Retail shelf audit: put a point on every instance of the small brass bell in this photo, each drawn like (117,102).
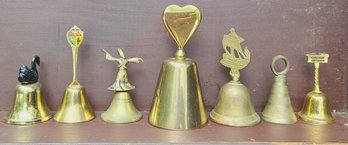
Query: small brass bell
(122,109)
(29,106)
(75,106)
(234,107)
(279,109)
(315,107)
(178,101)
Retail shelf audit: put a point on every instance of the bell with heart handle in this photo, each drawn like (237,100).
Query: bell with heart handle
(75,106)
(315,108)
(29,105)
(178,102)
(278,109)
(234,106)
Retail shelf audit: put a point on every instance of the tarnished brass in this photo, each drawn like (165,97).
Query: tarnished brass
(234,106)
(178,102)
(74,107)
(315,108)
(29,106)
(279,109)
(122,109)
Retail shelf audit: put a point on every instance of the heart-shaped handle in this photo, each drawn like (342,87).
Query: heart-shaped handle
(181,23)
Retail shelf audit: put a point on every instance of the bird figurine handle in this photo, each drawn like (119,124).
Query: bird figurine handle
(75,38)
(181,23)
(234,56)
(28,75)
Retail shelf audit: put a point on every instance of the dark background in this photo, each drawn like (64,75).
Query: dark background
(270,27)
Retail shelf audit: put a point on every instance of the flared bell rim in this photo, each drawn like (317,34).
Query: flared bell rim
(230,122)
(138,118)
(316,121)
(73,122)
(283,121)
(43,119)
(179,129)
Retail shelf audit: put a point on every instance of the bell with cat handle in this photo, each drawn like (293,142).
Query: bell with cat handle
(234,106)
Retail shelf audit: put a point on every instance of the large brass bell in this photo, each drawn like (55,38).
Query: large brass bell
(122,109)
(279,109)
(315,108)
(75,106)
(178,102)
(29,106)
(234,106)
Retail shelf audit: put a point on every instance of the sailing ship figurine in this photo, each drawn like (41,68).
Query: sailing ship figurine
(122,109)
(75,106)
(315,108)
(178,102)
(234,106)
(29,105)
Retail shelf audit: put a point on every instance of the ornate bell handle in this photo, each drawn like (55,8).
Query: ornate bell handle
(287,64)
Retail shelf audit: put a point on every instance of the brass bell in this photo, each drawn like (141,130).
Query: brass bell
(75,106)
(178,102)
(29,106)
(122,109)
(315,107)
(279,109)
(234,106)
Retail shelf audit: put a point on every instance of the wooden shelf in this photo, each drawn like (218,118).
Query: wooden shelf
(97,131)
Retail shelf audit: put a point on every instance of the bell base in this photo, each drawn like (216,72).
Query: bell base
(234,106)
(277,120)
(178,101)
(29,107)
(14,122)
(244,121)
(75,107)
(121,110)
(315,109)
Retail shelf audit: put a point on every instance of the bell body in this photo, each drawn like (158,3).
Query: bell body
(234,107)
(121,110)
(74,107)
(315,109)
(178,102)
(28,106)
(279,109)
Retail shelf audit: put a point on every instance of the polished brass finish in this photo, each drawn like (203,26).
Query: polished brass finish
(234,107)
(279,109)
(122,109)
(29,106)
(315,107)
(178,102)
(74,107)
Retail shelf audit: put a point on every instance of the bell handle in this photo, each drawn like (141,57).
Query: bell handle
(287,64)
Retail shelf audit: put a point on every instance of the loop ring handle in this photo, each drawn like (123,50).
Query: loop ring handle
(287,64)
